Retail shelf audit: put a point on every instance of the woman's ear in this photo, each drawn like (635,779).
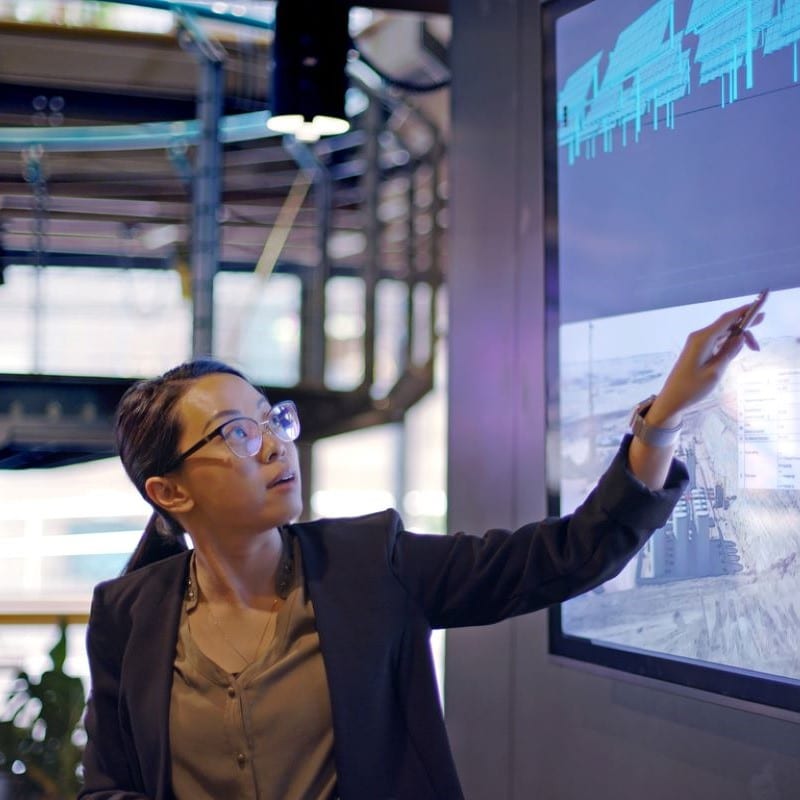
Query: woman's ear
(168,494)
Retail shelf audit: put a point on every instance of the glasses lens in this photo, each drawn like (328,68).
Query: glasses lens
(243,436)
(284,421)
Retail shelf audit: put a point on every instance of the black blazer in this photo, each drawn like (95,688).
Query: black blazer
(377,592)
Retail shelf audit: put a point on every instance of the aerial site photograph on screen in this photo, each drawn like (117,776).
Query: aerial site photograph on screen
(675,195)
(721,581)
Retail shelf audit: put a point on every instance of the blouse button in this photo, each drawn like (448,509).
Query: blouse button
(241,759)
(231,691)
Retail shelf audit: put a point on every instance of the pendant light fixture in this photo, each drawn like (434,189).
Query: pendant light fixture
(309,54)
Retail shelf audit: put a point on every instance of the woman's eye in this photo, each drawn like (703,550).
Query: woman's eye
(236,432)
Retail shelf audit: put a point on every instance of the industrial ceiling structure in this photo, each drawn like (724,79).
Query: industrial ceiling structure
(107,141)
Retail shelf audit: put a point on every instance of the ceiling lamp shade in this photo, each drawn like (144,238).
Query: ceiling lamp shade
(309,55)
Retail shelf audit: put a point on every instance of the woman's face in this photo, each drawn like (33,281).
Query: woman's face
(254,493)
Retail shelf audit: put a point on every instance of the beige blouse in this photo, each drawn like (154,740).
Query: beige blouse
(265,733)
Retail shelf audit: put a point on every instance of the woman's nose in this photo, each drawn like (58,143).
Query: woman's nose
(271,446)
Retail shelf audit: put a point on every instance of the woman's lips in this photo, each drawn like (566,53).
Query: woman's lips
(284,479)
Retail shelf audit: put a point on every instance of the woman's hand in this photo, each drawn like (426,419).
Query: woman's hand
(699,368)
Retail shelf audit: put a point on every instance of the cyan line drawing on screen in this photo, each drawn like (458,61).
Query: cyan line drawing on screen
(650,67)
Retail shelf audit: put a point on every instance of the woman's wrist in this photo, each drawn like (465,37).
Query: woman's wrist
(654,426)
(662,417)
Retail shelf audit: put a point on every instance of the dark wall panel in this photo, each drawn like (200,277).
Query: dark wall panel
(522,726)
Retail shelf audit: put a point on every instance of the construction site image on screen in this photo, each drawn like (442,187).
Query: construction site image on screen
(721,581)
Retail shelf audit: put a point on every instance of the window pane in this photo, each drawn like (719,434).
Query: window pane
(344,331)
(257,325)
(356,473)
(61,531)
(391,334)
(86,321)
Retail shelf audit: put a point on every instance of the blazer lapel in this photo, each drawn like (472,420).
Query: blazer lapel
(147,670)
(354,655)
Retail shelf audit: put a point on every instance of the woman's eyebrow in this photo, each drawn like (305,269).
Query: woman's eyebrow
(226,412)
(234,412)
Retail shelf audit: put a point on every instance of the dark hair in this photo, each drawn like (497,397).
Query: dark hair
(147,429)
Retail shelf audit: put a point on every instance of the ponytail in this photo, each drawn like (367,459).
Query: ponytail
(162,537)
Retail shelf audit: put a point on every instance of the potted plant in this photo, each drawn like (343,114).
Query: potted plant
(41,738)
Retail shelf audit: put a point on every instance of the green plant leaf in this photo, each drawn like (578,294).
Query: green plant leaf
(58,655)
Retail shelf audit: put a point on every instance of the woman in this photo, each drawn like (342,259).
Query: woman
(284,660)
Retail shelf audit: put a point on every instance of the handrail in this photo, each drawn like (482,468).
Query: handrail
(142,136)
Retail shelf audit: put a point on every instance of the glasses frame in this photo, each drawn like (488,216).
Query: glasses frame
(268,424)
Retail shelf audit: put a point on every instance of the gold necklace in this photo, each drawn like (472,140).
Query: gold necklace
(191,595)
(246,661)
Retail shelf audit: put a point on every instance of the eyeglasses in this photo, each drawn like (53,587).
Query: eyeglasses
(244,435)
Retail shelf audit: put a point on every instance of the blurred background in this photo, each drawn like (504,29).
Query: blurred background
(148,214)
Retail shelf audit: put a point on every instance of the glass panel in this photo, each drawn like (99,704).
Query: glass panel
(423,298)
(356,473)
(62,531)
(257,325)
(425,498)
(114,322)
(344,331)
(16,320)
(390,335)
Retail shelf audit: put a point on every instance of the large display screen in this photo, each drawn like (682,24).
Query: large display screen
(673,194)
